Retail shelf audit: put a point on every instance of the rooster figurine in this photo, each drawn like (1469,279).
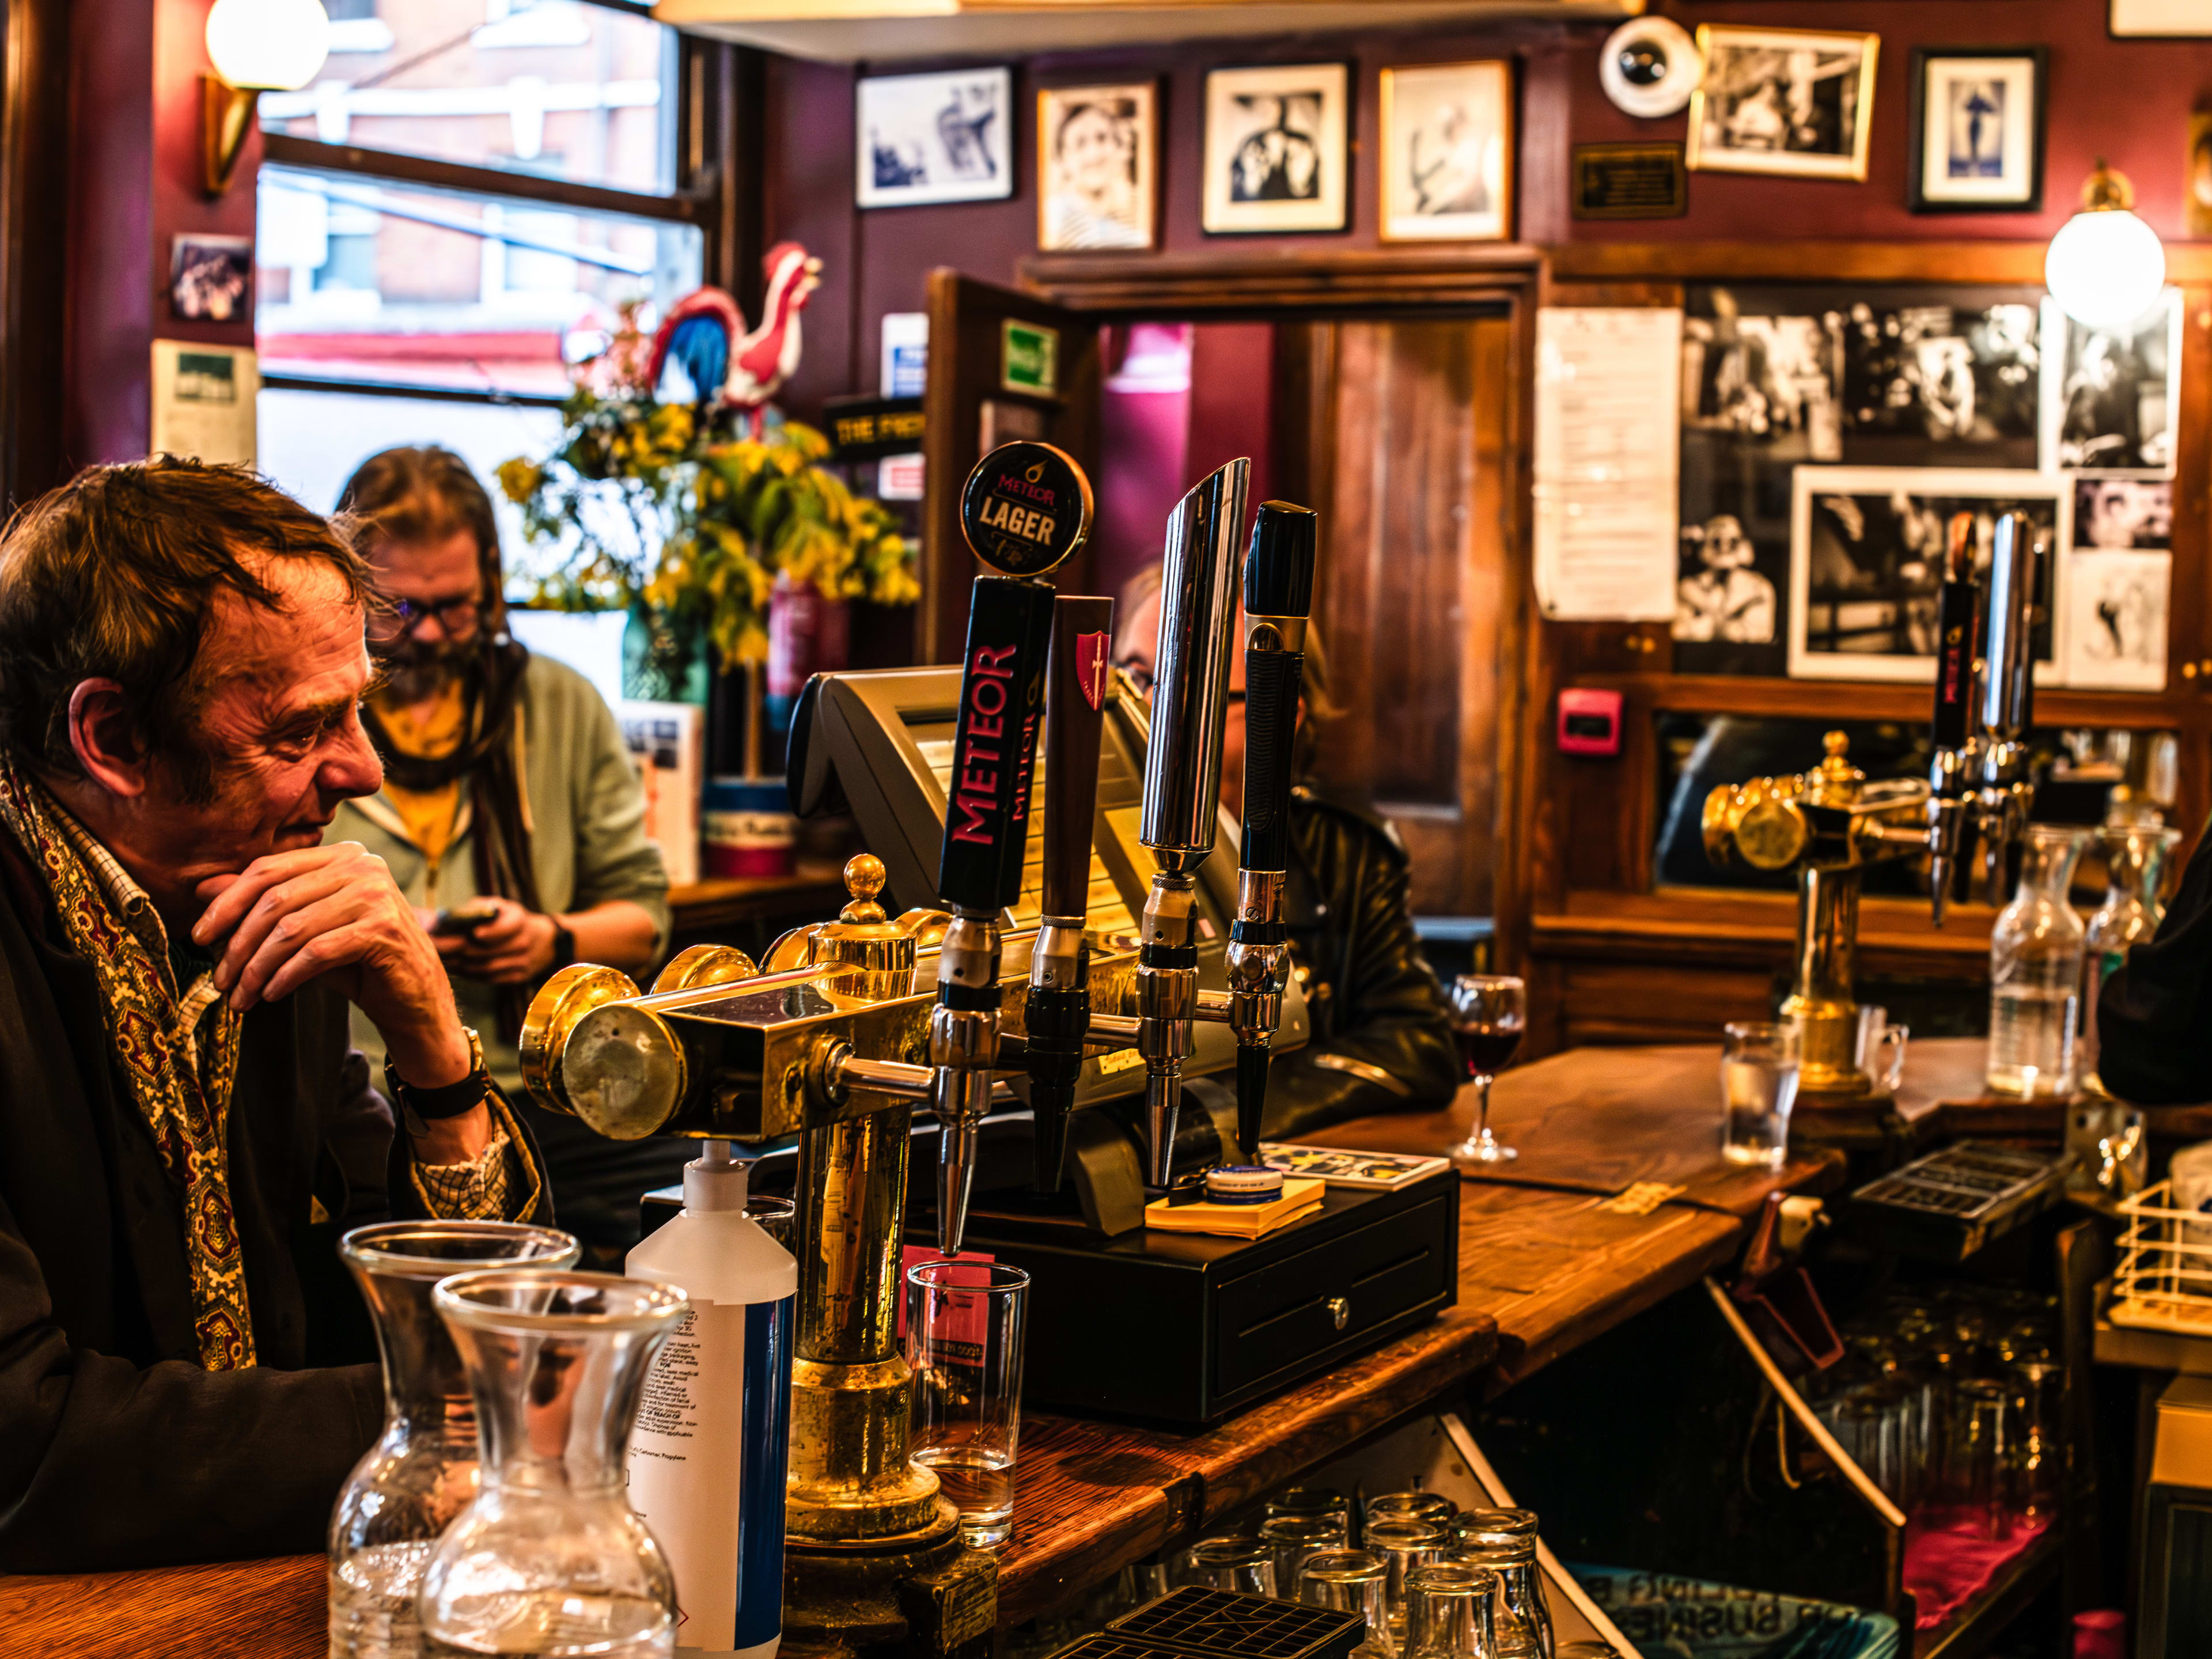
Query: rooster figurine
(729,368)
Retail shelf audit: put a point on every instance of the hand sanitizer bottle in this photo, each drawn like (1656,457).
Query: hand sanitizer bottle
(708,1457)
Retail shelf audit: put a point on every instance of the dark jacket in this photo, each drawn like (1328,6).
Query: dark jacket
(116,1449)
(1381,1037)
(2154,1013)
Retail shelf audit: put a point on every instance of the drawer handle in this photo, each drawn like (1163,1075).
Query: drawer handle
(1340,1311)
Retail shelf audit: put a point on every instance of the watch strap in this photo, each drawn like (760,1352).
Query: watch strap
(451,1100)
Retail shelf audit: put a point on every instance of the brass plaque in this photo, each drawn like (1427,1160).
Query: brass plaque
(1629,181)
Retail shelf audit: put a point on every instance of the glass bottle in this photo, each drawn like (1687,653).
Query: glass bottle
(550,1559)
(2035,971)
(422,1471)
(2134,857)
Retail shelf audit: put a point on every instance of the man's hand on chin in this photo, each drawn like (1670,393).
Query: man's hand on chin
(335,911)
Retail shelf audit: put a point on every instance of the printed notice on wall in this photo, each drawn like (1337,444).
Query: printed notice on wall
(203,401)
(1607,459)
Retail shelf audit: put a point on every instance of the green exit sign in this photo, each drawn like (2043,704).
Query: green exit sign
(1029,358)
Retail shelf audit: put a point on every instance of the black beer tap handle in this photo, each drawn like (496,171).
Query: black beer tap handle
(1954,638)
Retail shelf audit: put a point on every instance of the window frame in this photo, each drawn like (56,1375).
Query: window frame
(717,98)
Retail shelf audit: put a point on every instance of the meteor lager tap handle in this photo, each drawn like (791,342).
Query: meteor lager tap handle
(1057,1012)
(1954,638)
(1278,576)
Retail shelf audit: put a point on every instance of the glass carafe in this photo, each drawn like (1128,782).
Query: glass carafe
(550,1559)
(2134,857)
(2035,971)
(422,1471)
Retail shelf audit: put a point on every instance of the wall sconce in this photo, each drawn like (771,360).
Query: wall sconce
(255,46)
(2105,266)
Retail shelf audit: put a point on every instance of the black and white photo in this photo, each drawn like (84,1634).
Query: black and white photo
(939,138)
(1866,557)
(210,278)
(1946,385)
(1098,167)
(2110,395)
(1731,587)
(1977,130)
(2113,514)
(1275,153)
(1447,152)
(2117,631)
(1796,101)
(1772,382)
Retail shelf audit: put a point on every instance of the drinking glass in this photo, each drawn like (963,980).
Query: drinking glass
(1352,1581)
(966,1323)
(1883,1073)
(2037,1390)
(1295,1537)
(1978,1455)
(1243,1565)
(1403,1544)
(1450,1608)
(1413,1505)
(772,1216)
(1314,1503)
(1522,1618)
(1488,1013)
(422,1470)
(1758,1085)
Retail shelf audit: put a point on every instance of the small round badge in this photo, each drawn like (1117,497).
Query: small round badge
(1026,507)
(1244,1183)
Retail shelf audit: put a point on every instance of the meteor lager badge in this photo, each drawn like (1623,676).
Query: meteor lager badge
(1026,507)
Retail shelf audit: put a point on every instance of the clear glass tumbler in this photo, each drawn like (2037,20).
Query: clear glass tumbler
(1242,1565)
(966,1324)
(1353,1581)
(1295,1537)
(422,1471)
(550,1559)
(1758,1085)
(1977,1457)
(1451,1607)
(1524,1623)
(1414,1505)
(1403,1544)
(1314,1503)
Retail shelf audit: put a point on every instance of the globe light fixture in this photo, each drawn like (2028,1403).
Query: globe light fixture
(2105,266)
(255,46)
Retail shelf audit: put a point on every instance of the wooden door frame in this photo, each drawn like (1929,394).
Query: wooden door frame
(1494,279)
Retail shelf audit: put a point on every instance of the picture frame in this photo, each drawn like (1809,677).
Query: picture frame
(210,278)
(2110,399)
(2197,178)
(2156,20)
(1097,161)
(1277,150)
(1447,152)
(946,136)
(1976,129)
(1758,111)
(1865,551)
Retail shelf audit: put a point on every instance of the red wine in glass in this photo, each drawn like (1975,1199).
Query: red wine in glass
(1486,1048)
(1489,1011)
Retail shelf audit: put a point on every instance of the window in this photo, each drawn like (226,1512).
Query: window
(453,215)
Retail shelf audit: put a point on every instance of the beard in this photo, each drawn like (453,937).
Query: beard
(414,672)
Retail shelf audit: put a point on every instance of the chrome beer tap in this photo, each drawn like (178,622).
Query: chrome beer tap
(1950,776)
(1183,787)
(1278,576)
(2006,796)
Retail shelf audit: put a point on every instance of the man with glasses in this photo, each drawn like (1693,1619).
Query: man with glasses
(510,815)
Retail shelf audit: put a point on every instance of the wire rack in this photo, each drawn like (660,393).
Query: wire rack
(2165,1277)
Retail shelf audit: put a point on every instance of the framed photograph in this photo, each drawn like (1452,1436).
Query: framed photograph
(210,278)
(1866,558)
(2122,515)
(1447,152)
(1729,592)
(2157,19)
(1794,101)
(2110,397)
(1939,378)
(1276,143)
(1098,168)
(1977,130)
(945,136)
(2117,628)
(1772,382)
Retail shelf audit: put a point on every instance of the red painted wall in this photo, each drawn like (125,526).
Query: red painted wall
(2127,100)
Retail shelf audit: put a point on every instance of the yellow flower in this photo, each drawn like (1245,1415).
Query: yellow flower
(519,478)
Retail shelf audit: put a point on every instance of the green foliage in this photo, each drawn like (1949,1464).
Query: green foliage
(644,508)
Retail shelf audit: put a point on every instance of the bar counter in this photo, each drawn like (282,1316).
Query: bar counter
(1547,1263)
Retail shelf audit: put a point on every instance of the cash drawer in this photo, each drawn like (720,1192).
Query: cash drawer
(1329,1299)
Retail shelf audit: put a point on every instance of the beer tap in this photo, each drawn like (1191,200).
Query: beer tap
(1278,598)
(2007,793)
(1057,1015)
(1026,508)
(1182,785)
(1950,783)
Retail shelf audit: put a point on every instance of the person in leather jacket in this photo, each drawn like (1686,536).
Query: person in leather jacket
(1382,1034)
(2154,1010)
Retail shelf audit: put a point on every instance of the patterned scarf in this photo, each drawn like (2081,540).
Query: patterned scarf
(179,1053)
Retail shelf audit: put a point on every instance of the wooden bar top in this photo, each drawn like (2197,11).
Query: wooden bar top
(1545,1265)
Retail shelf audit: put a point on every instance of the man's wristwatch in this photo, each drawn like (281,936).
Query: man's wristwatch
(564,946)
(431,1105)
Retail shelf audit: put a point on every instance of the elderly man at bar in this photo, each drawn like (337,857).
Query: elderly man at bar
(184,1130)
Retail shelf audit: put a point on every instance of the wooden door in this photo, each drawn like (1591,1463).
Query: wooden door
(982,392)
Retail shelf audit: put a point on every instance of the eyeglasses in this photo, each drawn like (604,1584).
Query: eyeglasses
(396,617)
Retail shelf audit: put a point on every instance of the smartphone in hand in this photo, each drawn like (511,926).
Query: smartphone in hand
(464,920)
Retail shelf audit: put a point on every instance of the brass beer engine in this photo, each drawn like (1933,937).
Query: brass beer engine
(832,1042)
(1829,824)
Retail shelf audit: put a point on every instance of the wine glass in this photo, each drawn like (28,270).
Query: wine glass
(1488,1011)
